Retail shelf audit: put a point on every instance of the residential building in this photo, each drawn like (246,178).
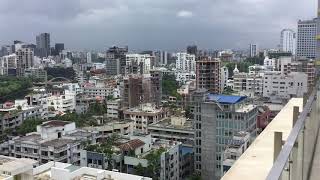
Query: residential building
(249,83)
(113,108)
(276,84)
(59,47)
(224,77)
(235,148)
(89,57)
(192,49)
(36,74)
(156,87)
(288,40)
(217,118)
(16,168)
(43,45)
(186,62)
(106,129)
(139,63)
(13,114)
(63,103)
(182,76)
(173,128)
(161,58)
(8,65)
(253,50)
(307,43)
(113,67)
(58,170)
(25,58)
(57,141)
(208,74)
(144,115)
(133,91)
(119,53)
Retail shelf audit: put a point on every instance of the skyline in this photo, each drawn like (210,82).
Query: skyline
(165,25)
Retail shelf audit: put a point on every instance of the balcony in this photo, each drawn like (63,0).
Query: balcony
(288,149)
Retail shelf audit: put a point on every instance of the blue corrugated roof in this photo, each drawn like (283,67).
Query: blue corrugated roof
(225,99)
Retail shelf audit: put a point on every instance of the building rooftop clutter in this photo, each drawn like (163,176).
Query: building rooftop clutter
(10,167)
(58,142)
(146,108)
(174,122)
(55,123)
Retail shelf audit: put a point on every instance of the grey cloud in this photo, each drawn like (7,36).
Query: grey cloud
(152,24)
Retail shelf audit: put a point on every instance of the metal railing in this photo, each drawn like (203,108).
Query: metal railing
(296,156)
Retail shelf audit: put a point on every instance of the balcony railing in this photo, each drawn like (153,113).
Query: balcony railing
(285,150)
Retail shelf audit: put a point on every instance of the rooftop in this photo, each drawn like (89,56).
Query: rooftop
(55,123)
(58,142)
(225,99)
(131,145)
(167,123)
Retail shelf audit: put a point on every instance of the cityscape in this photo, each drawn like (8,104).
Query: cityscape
(123,113)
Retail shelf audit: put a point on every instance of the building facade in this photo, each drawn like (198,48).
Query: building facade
(307,43)
(288,40)
(208,74)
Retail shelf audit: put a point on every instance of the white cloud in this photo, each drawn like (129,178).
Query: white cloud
(184,14)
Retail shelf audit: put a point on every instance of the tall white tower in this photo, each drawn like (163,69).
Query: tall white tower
(288,40)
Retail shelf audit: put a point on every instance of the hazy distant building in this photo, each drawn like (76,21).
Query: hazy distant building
(59,47)
(253,51)
(186,62)
(307,43)
(25,58)
(208,74)
(118,53)
(89,57)
(43,45)
(113,67)
(133,91)
(161,58)
(288,41)
(192,49)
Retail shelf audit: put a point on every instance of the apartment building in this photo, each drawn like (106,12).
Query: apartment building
(208,74)
(276,84)
(113,107)
(139,63)
(173,128)
(248,82)
(186,62)
(132,91)
(144,115)
(25,60)
(235,148)
(57,141)
(8,64)
(217,118)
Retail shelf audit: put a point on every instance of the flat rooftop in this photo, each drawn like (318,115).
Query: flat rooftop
(246,108)
(166,123)
(58,142)
(35,138)
(55,123)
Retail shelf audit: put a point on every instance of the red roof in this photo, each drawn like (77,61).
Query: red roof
(131,145)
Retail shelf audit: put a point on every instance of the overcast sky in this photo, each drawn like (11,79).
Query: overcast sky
(152,24)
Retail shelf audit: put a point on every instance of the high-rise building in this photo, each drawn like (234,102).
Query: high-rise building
(186,62)
(25,58)
(118,53)
(208,74)
(254,50)
(43,45)
(59,47)
(113,67)
(306,44)
(288,41)
(192,50)
(217,118)
(89,57)
(161,58)
(132,91)
(156,87)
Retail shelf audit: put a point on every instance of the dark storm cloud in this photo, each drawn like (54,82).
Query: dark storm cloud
(150,24)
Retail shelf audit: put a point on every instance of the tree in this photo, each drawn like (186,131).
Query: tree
(29,125)
(170,86)
(154,163)
(139,170)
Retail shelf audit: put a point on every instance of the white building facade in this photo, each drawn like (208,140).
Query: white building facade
(288,41)
(186,62)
